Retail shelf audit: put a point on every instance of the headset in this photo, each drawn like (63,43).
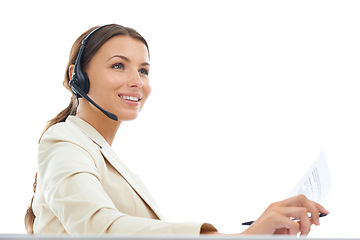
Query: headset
(80,83)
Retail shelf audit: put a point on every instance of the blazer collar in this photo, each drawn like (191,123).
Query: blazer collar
(88,130)
(115,161)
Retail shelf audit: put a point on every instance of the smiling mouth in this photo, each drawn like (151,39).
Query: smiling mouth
(130,98)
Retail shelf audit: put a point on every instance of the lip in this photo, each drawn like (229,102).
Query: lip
(137,95)
(129,102)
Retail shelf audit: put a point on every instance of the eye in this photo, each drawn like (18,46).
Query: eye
(118,66)
(144,71)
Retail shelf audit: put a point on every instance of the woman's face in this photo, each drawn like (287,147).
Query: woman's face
(118,74)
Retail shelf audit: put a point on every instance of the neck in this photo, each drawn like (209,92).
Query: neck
(104,125)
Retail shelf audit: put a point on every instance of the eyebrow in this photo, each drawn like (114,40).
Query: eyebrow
(128,60)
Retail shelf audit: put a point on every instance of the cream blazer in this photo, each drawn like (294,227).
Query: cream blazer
(84,188)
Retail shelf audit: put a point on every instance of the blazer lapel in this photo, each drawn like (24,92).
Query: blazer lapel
(116,162)
(133,181)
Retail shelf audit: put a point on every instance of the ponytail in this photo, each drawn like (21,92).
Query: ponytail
(62,116)
(30,216)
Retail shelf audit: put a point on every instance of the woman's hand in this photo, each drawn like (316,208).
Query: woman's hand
(277,217)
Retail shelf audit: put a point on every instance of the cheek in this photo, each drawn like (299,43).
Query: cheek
(100,91)
(149,89)
(103,85)
(146,92)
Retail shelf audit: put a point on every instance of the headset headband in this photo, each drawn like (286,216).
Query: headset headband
(77,67)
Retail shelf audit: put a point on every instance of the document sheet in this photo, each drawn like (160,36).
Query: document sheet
(315,184)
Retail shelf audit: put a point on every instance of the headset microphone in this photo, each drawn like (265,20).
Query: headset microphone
(77,89)
(80,83)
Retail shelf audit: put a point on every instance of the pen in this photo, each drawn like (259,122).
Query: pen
(249,223)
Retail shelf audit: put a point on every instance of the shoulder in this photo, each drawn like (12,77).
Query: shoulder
(64,131)
(65,151)
(74,131)
(66,140)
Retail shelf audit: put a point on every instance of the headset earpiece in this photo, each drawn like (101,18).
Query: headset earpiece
(80,78)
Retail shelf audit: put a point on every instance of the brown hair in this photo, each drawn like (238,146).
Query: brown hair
(93,45)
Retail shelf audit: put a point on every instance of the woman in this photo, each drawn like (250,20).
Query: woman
(82,186)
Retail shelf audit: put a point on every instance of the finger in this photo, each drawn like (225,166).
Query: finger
(315,209)
(305,223)
(315,216)
(284,222)
(296,200)
(299,213)
(321,208)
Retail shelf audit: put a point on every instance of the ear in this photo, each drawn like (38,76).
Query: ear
(71,70)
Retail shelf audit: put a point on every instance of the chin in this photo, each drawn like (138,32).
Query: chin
(127,117)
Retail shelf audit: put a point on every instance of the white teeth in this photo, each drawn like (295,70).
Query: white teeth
(135,99)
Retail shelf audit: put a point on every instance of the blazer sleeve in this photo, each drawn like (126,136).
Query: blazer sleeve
(73,191)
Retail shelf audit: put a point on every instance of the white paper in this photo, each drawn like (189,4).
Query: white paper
(315,184)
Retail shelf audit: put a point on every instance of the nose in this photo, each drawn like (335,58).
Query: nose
(135,80)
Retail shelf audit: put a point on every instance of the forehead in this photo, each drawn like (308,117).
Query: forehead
(132,48)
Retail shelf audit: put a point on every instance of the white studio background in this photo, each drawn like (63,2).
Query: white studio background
(246,94)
